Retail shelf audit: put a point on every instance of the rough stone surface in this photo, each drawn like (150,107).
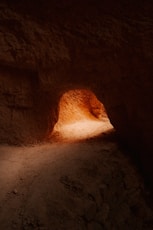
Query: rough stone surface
(88,185)
(49,48)
(80,104)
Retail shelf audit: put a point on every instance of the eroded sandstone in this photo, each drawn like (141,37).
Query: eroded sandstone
(106,47)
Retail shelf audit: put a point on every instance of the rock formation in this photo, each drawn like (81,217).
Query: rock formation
(48,48)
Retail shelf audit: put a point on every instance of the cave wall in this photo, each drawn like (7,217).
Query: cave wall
(50,47)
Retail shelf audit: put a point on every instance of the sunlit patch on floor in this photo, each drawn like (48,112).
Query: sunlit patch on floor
(81,116)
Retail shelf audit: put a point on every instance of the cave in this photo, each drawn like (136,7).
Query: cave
(76,117)
(81,116)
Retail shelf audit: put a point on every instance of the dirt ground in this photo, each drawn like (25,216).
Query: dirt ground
(84,185)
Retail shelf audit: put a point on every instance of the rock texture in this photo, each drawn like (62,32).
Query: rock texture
(90,185)
(79,104)
(49,48)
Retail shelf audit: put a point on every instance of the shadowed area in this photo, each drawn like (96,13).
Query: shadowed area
(89,185)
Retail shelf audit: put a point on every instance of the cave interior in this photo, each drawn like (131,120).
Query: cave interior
(76,93)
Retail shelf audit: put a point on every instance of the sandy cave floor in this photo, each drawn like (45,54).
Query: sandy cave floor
(87,185)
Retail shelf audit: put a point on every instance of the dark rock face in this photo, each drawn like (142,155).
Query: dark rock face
(49,48)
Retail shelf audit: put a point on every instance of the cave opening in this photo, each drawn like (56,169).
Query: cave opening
(80,116)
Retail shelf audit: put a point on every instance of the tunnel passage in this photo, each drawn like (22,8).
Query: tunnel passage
(81,115)
(106,46)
